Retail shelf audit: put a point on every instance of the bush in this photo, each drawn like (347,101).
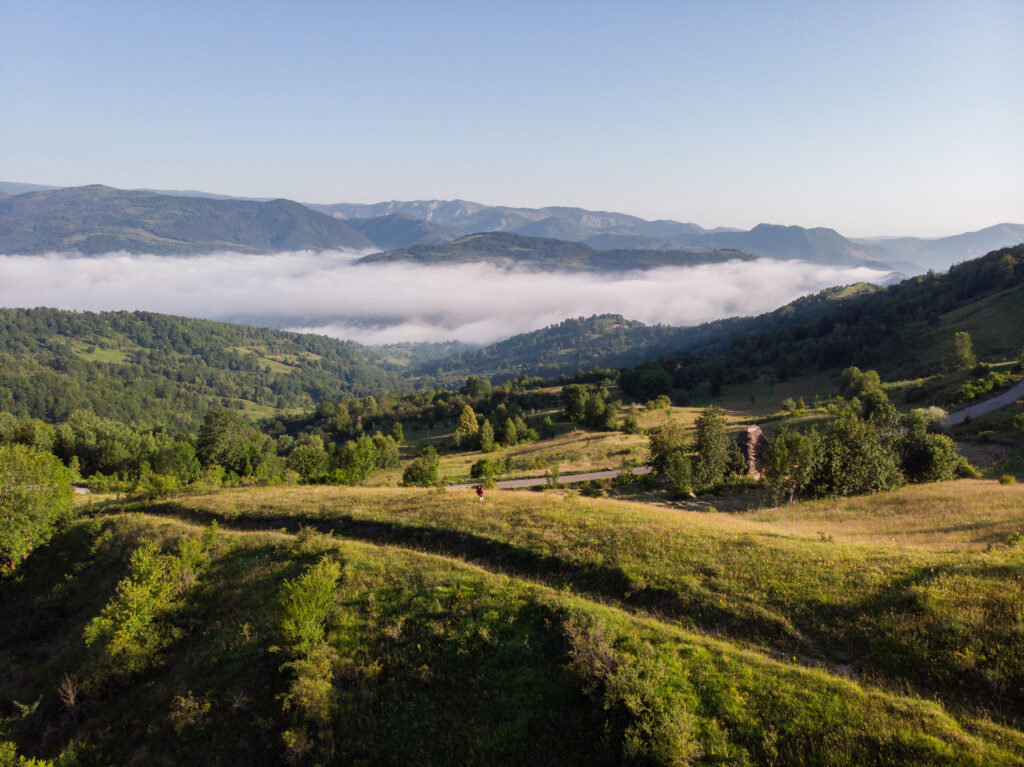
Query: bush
(928,457)
(307,603)
(422,471)
(1007,479)
(855,459)
(35,496)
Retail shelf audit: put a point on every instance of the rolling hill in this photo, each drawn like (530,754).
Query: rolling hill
(545,254)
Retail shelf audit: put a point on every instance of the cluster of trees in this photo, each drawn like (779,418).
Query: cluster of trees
(698,465)
(504,426)
(590,407)
(868,448)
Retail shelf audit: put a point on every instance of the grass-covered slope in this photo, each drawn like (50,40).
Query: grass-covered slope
(840,588)
(158,368)
(138,639)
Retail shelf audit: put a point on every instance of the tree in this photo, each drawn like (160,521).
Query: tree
(179,460)
(679,473)
(35,434)
(35,496)
(509,434)
(8,426)
(959,354)
(574,402)
(711,445)
(228,440)
(854,459)
(467,430)
(665,442)
(398,433)
(357,460)
(486,437)
(310,460)
(422,470)
(790,460)
(476,388)
(387,452)
(928,457)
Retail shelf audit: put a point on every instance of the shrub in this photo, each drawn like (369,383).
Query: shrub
(422,470)
(1007,479)
(307,603)
(928,457)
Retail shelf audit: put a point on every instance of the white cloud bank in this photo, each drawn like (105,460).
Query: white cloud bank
(387,303)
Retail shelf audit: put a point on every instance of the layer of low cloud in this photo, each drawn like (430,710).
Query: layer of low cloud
(387,303)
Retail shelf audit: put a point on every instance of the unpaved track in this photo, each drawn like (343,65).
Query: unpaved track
(1008,397)
(568,479)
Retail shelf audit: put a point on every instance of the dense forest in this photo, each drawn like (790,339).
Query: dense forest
(161,369)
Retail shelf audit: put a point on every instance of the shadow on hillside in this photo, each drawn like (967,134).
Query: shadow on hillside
(700,612)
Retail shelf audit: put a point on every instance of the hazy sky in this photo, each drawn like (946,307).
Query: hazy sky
(870,117)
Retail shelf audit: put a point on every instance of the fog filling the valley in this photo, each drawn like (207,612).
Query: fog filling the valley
(388,303)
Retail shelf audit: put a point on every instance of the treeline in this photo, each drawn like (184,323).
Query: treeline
(167,370)
(864,447)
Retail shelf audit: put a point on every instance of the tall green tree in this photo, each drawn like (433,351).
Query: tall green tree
(711,446)
(959,353)
(467,430)
(790,461)
(486,437)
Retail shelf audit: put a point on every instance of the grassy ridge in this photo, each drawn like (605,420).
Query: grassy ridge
(434,661)
(943,620)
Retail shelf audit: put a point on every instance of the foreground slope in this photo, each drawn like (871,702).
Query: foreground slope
(143,639)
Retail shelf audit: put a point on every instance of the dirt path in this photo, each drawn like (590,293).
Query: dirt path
(568,479)
(1008,397)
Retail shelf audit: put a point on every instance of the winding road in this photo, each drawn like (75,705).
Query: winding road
(1008,397)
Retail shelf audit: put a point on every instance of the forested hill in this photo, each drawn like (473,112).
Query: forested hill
(547,254)
(99,219)
(160,369)
(901,330)
(610,340)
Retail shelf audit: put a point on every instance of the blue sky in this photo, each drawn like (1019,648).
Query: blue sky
(872,118)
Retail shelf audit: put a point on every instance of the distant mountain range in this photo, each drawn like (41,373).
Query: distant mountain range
(98,219)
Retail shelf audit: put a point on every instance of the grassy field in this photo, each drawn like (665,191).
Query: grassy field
(920,589)
(460,634)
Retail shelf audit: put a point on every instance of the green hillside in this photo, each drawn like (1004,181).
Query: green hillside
(160,369)
(99,219)
(540,630)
